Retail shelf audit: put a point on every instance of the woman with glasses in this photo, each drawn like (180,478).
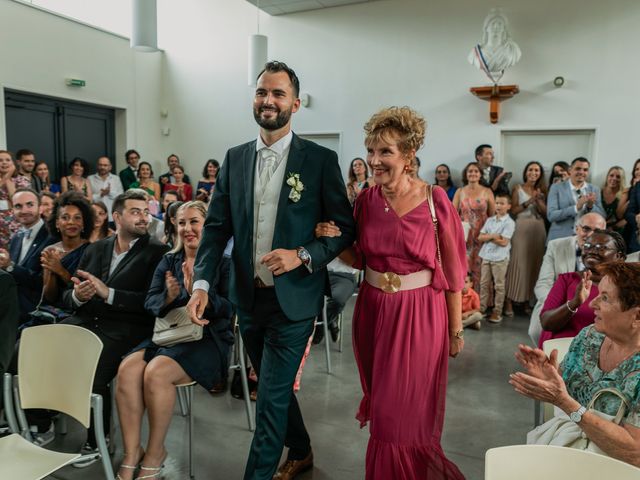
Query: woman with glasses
(443,179)
(566,310)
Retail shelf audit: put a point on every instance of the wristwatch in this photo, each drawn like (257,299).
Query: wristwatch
(9,268)
(577,415)
(459,333)
(304,256)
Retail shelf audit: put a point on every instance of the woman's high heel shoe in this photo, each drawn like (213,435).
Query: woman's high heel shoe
(131,467)
(149,473)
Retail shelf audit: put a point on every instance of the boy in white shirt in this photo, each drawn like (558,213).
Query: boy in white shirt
(496,235)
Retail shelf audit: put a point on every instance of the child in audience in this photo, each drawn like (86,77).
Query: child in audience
(495,236)
(471,314)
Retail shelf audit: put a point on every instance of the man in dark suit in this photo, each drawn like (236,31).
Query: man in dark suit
(128,174)
(110,287)
(270,194)
(492,177)
(22,260)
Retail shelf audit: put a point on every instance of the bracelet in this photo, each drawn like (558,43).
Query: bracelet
(569,308)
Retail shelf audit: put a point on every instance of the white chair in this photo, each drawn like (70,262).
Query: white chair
(56,368)
(536,462)
(562,345)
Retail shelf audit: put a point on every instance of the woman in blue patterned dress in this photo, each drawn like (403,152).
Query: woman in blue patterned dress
(603,355)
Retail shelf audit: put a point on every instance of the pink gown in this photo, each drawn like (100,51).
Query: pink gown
(401,341)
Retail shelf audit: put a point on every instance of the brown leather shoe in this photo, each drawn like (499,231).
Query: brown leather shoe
(291,468)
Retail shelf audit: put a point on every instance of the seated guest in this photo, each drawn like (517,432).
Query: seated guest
(168,198)
(566,310)
(129,174)
(471,314)
(443,179)
(205,187)
(180,186)
(563,255)
(559,172)
(42,172)
(46,204)
(23,258)
(77,180)
(9,318)
(603,355)
(170,227)
(615,198)
(145,181)
(148,376)
(9,182)
(100,228)
(109,289)
(166,178)
(568,201)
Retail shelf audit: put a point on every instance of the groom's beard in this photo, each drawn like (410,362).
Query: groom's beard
(274,123)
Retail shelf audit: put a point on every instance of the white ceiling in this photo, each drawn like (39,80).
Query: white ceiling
(282,7)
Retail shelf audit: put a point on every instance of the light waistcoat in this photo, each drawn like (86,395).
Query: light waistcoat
(265,210)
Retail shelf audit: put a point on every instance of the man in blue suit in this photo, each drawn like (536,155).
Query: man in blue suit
(22,260)
(570,200)
(270,194)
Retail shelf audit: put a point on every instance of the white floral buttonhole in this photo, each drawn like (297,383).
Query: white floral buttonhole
(296,187)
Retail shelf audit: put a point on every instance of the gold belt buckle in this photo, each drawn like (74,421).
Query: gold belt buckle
(390,282)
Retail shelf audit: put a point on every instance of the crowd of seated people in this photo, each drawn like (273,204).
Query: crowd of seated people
(111,252)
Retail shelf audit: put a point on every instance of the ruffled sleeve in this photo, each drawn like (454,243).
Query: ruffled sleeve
(451,274)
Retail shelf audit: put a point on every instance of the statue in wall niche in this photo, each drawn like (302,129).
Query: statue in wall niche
(498,51)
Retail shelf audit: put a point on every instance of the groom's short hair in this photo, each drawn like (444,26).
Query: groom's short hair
(276,67)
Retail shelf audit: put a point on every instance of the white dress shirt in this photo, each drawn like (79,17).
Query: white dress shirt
(115,188)
(27,240)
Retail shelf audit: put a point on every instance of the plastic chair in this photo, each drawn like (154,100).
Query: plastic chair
(324,323)
(22,459)
(185,400)
(536,462)
(56,368)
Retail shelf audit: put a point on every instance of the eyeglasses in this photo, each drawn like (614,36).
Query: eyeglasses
(586,229)
(598,247)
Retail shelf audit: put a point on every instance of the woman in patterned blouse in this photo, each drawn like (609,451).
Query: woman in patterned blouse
(603,355)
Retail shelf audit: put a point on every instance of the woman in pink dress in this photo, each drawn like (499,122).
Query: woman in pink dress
(402,340)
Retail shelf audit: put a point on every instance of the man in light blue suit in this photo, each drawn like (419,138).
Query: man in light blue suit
(570,200)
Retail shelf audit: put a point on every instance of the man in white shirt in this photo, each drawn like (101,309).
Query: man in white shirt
(105,185)
(22,260)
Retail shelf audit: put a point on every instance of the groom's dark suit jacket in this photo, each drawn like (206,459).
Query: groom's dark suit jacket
(300,293)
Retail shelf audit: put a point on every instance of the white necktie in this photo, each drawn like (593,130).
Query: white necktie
(267,166)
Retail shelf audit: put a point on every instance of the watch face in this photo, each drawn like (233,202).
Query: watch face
(575,417)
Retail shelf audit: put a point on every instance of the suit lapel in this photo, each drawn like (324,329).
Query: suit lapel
(105,258)
(248,173)
(294,165)
(40,237)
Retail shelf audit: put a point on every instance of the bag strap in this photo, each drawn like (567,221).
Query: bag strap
(624,403)
(434,219)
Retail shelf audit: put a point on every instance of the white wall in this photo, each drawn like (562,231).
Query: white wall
(353,60)
(39,50)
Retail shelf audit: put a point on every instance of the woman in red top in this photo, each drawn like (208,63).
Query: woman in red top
(566,310)
(184,190)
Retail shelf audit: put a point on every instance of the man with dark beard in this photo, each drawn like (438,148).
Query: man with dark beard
(270,194)
(109,291)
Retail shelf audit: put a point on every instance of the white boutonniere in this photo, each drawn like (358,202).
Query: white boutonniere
(296,187)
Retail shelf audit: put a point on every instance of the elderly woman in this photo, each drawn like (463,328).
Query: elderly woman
(566,310)
(148,376)
(603,355)
(407,322)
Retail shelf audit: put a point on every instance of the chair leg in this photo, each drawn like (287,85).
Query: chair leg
(325,327)
(182,401)
(62,425)
(97,406)
(17,406)
(9,408)
(113,427)
(340,318)
(189,394)
(245,383)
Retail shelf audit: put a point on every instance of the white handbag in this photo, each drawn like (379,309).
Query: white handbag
(175,327)
(562,432)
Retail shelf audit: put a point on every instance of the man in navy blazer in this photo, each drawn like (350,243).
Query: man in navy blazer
(492,177)
(22,260)
(568,201)
(270,194)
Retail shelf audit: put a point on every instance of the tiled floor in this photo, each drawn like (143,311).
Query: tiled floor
(482,412)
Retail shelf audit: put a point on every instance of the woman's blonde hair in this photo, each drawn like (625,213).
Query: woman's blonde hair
(400,125)
(200,207)
(622,180)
